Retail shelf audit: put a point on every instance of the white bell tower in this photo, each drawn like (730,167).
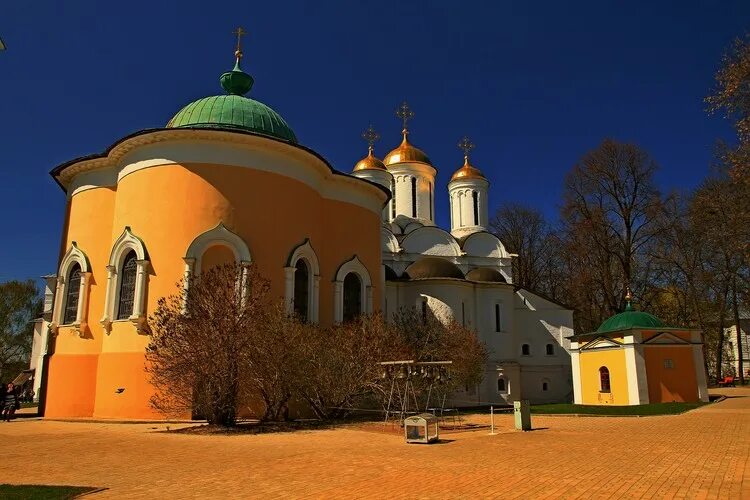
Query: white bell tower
(468,190)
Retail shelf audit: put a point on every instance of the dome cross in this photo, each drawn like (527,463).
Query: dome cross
(466,146)
(240,33)
(371,136)
(405,113)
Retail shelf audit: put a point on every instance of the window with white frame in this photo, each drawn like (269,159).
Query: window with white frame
(127,279)
(71,298)
(352,290)
(303,283)
(502,386)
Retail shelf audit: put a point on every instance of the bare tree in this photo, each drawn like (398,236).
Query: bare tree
(341,364)
(732,97)
(611,214)
(19,305)
(200,351)
(525,232)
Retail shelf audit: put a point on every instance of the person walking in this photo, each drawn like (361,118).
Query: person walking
(10,402)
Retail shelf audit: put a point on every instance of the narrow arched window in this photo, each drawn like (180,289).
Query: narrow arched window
(429,187)
(525,350)
(352,297)
(301,290)
(550,350)
(501,385)
(475,197)
(72,294)
(127,286)
(545,386)
(414,197)
(393,198)
(604,379)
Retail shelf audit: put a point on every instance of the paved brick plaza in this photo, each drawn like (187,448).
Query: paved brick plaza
(702,454)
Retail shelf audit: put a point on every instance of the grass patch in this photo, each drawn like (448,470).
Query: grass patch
(42,492)
(635,410)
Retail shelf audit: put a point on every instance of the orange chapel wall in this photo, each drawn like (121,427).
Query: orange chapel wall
(670,384)
(167,207)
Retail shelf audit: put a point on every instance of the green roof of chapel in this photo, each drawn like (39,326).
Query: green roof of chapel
(630,319)
(233,111)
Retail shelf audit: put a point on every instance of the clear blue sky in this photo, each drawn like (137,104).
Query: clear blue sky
(534,84)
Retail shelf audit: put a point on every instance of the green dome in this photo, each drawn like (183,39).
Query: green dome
(234,111)
(630,319)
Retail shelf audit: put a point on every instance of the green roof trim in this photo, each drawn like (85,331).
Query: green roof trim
(234,111)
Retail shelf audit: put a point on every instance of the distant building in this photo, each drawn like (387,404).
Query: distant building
(635,359)
(733,342)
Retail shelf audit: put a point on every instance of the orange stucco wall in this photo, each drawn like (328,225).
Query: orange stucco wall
(167,207)
(670,384)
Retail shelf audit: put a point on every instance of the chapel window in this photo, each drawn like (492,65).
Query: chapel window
(545,386)
(352,297)
(475,198)
(127,286)
(498,326)
(72,294)
(429,186)
(414,197)
(526,350)
(550,350)
(301,289)
(501,387)
(393,198)
(604,379)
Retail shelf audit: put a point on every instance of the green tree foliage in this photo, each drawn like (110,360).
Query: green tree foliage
(20,304)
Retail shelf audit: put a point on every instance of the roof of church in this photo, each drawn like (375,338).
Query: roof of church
(486,274)
(628,320)
(406,153)
(234,111)
(432,267)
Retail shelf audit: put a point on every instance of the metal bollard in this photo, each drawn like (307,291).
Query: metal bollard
(522,415)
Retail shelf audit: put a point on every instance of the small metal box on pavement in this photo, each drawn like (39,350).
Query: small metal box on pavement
(522,415)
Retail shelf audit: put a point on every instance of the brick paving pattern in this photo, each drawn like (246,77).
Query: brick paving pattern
(704,453)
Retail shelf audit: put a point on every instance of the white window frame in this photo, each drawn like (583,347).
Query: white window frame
(124,244)
(306,253)
(507,385)
(219,235)
(73,256)
(353,265)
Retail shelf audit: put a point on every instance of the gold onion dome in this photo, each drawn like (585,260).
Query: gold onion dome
(369,162)
(406,153)
(467,172)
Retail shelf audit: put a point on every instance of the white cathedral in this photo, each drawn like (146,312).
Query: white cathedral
(465,274)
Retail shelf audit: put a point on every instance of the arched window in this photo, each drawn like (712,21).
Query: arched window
(393,198)
(352,297)
(475,198)
(301,290)
(72,294)
(526,350)
(550,350)
(127,286)
(414,197)
(545,385)
(604,379)
(501,387)
(429,187)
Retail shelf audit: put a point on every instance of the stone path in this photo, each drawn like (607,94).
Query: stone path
(702,454)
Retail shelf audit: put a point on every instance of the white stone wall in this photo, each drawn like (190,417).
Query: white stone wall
(524,318)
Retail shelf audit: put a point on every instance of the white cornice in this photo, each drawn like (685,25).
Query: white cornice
(185,146)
